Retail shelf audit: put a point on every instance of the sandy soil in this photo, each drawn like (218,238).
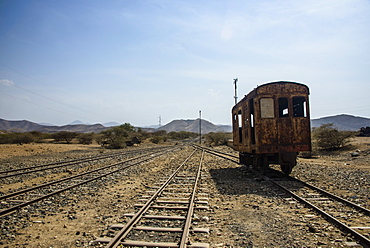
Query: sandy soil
(15,150)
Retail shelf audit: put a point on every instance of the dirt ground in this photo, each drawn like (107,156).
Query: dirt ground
(244,211)
(15,150)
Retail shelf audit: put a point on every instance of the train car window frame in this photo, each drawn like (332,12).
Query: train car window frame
(267,107)
(240,125)
(299,106)
(283,107)
(251,120)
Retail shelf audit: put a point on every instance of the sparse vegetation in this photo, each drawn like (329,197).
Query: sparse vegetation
(86,138)
(327,137)
(364,132)
(64,136)
(217,139)
(116,137)
(182,135)
(22,138)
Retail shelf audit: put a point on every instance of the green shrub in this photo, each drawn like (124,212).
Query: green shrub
(217,138)
(327,137)
(16,138)
(64,136)
(116,137)
(156,139)
(86,138)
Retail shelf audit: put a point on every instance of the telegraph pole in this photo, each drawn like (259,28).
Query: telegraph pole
(200,127)
(235,94)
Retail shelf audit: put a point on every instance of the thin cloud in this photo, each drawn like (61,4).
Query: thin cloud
(7,82)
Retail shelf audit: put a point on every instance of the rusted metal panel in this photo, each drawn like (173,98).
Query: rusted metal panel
(274,132)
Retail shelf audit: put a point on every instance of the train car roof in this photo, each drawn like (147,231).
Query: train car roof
(254,91)
(282,82)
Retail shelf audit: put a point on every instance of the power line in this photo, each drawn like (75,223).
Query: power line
(46,97)
(39,105)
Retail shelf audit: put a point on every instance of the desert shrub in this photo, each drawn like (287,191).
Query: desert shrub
(364,132)
(23,138)
(327,137)
(156,139)
(181,135)
(86,138)
(5,138)
(116,137)
(38,136)
(157,136)
(217,138)
(64,136)
(16,138)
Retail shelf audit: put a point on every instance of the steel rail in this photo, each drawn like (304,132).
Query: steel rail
(189,215)
(116,240)
(11,209)
(61,164)
(361,238)
(214,152)
(338,198)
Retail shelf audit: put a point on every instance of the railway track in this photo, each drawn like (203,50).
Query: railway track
(16,200)
(346,215)
(165,213)
(38,168)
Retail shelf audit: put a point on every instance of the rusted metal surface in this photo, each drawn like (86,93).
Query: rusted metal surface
(273,119)
(274,133)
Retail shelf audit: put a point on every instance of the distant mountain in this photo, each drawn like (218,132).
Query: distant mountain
(193,126)
(96,128)
(28,126)
(111,124)
(19,126)
(343,122)
(78,122)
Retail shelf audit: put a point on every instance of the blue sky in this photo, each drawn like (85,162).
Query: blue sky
(133,61)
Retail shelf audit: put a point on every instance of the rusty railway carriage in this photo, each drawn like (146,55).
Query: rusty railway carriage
(272,124)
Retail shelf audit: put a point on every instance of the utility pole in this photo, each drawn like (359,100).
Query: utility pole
(200,127)
(235,94)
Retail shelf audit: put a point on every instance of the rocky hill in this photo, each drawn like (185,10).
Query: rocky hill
(343,122)
(28,126)
(193,126)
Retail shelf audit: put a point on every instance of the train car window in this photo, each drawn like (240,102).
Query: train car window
(267,108)
(240,125)
(251,119)
(283,107)
(299,106)
(251,104)
(240,120)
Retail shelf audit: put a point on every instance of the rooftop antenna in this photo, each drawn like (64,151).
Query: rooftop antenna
(235,94)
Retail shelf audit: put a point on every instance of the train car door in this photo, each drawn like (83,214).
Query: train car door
(301,123)
(285,130)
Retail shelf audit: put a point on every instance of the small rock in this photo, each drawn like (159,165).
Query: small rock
(355,154)
(205,218)
(312,228)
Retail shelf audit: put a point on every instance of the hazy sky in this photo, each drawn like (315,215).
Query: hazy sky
(133,61)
